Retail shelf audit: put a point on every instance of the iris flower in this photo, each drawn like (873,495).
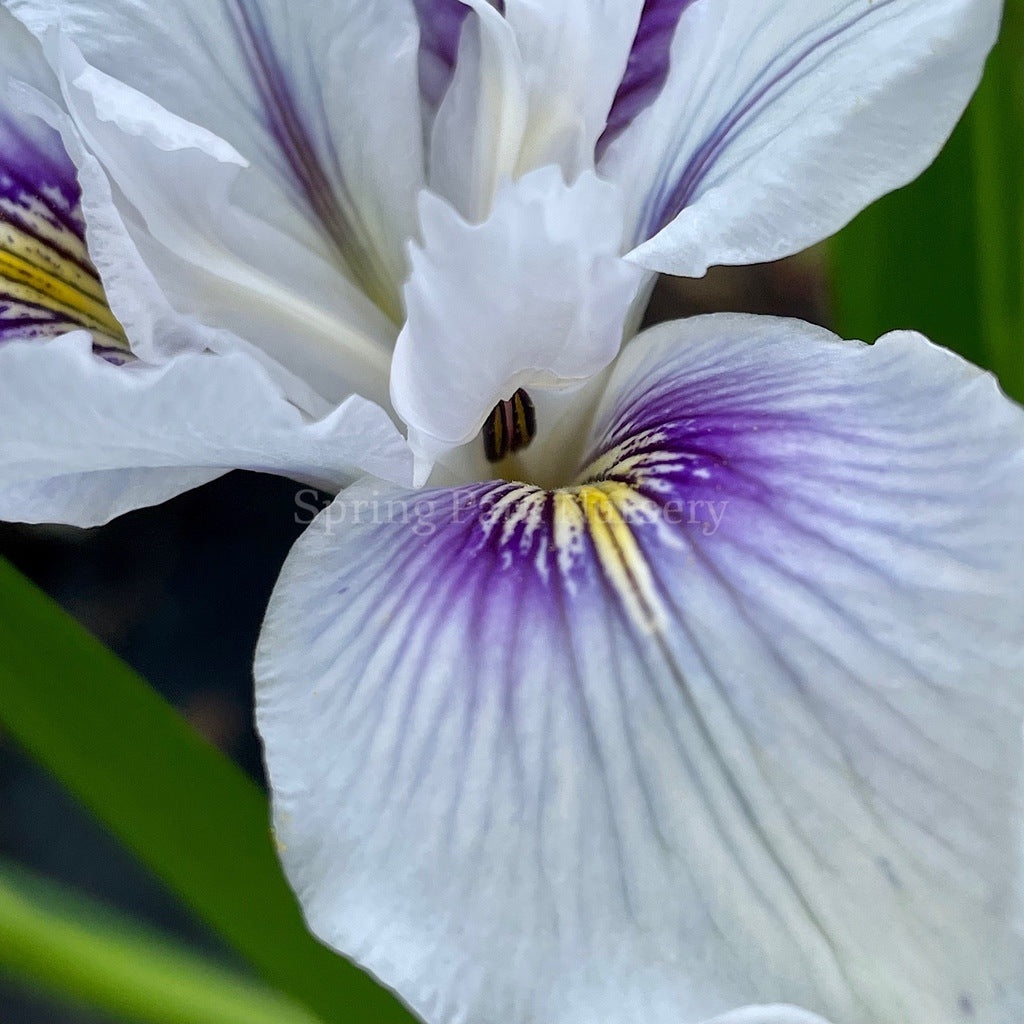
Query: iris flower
(670,681)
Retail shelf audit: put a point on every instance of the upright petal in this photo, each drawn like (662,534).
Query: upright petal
(782,120)
(478,133)
(575,55)
(530,88)
(535,296)
(733,721)
(83,440)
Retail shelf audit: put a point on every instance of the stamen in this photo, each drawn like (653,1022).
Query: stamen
(511,426)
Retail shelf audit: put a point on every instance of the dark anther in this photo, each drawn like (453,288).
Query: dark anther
(510,427)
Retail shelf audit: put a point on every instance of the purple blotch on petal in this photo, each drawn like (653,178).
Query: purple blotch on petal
(648,67)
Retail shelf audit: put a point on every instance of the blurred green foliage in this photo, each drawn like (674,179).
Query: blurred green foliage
(186,811)
(83,952)
(945,256)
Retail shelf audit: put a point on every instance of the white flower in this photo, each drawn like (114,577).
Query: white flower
(722,706)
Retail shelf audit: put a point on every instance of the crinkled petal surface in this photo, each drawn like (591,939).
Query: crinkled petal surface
(781,120)
(83,440)
(735,721)
(536,295)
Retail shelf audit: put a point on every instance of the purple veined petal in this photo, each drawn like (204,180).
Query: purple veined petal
(779,122)
(328,196)
(48,284)
(782,73)
(648,66)
(732,721)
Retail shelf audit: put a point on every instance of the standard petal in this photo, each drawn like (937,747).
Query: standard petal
(530,87)
(477,135)
(782,120)
(536,296)
(734,721)
(323,104)
(83,440)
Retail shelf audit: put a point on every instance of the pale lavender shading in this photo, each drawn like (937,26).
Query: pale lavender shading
(780,74)
(648,67)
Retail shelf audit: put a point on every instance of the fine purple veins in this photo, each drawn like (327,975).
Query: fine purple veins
(776,77)
(48,285)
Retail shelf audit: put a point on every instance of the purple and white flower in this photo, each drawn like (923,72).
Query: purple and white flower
(689,687)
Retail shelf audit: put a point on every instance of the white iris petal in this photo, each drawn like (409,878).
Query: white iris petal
(734,720)
(267,159)
(780,121)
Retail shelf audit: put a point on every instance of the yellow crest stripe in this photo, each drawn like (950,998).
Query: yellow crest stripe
(47,283)
(607,509)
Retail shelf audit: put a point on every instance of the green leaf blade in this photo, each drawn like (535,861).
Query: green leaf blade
(189,814)
(945,256)
(87,954)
